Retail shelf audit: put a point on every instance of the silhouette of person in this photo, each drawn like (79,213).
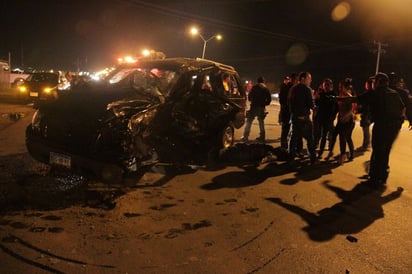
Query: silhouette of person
(359,208)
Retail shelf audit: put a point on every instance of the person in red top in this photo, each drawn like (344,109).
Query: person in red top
(346,104)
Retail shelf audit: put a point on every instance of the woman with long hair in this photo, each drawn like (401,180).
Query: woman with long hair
(346,121)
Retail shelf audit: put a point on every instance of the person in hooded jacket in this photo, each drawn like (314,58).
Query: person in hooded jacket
(395,83)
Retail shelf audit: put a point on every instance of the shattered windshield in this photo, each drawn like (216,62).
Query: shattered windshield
(153,81)
(120,75)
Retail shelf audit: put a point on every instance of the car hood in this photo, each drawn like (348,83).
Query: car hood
(88,109)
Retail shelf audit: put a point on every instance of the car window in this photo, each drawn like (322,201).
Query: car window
(202,82)
(163,79)
(145,84)
(36,77)
(120,75)
(235,86)
(146,77)
(225,84)
(52,78)
(148,82)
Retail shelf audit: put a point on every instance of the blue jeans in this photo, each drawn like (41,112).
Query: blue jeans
(260,113)
(344,130)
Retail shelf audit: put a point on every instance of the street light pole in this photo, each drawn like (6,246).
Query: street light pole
(195,32)
(204,46)
(205,43)
(379,52)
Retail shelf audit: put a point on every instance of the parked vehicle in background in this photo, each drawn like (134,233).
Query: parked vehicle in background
(42,86)
(172,110)
(17,78)
(18,81)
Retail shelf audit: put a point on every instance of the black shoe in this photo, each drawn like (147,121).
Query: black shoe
(293,164)
(301,155)
(314,161)
(365,148)
(341,159)
(330,154)
(260,139)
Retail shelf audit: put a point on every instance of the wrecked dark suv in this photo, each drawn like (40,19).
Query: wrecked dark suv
(173,110)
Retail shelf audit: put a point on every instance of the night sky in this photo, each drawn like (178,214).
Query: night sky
(260,37)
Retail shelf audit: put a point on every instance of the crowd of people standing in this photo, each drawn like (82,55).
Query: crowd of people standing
(321,116)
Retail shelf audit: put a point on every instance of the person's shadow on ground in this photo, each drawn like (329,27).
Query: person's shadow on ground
(307,172)
(359,208)
(249,157)
(249,176)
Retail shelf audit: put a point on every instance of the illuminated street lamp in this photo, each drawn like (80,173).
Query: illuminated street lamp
(195,31)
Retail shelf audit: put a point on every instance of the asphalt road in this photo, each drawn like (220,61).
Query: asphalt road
(268,219)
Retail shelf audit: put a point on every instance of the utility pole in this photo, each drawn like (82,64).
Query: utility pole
(8,82)
(379,52)
(21,56)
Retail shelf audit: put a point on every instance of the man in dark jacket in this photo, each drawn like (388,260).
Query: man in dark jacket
(395,84)
(259,98)
(300,106)
(284,115)
(365,116)
(387,112)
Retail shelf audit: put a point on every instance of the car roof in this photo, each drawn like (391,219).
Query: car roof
(181,63)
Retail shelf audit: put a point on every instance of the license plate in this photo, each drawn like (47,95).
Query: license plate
(60,160)
(34,94)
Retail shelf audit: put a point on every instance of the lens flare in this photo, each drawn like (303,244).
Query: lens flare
(341,11)
(296,54)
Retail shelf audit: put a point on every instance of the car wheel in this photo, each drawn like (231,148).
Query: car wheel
(228,136)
